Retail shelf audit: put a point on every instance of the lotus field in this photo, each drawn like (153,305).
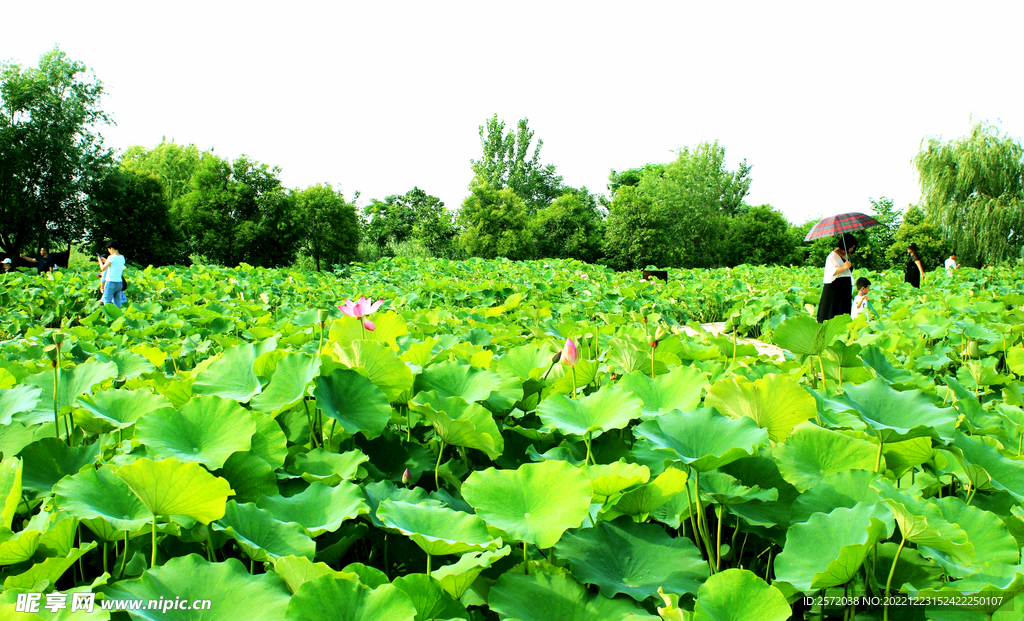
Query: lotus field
(538,441)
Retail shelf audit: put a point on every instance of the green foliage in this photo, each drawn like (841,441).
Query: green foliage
(169,162)
(495,224)
(506,163)
(50,150)
(332,226)
(759,236)
(872,254)
(415,217)
(131,208)
(920,229)
(635,233)
(570,228)
(238,212)
(974,189)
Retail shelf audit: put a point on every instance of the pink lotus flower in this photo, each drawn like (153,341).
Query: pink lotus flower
(368,325)
(570,356)
(364,306)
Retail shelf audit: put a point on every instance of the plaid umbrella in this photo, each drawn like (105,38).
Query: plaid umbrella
(842,223)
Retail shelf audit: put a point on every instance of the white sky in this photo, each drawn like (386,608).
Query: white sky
(828,101)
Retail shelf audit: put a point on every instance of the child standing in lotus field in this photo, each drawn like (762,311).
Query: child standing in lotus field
(860,303)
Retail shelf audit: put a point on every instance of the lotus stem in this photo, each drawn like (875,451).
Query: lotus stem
(309,421)
(124,557)
(526,564)
(152,561)
(824,384)
(718,544)
(56,406)
(892,570)
(209,545)
(573,381)
(587,440)
(652,363)
(437,466)
(428,565)
(104,556)
(878,459)
(693,522)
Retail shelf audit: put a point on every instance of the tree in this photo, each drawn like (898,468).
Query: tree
(759,236)
(636,234)
(570,228)
(918,228)
(50,152)
(415,215)
(495,224)
(877,240)
(237,212)
(332,226)
(973,188)
(171,163)
(506,164)
(131,209)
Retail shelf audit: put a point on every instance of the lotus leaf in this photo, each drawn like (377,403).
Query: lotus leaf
(458,577)
(47,571)
(354,401)
(775,402)
(170,487)
(437,530)
(610,479)
(98,493)
(703,439)
(49,460)
(641,501)
(232,376)
(739,595)
(10,490)
(288,383)
(803,335)
(546,597)
(298,570)
(1002,473)
(608,408)
(379,364)
(205,430)
(893,415)
(327,467)
(429,598)
(118,409)
(460,423)
(23,398)
(813,453)
(262,537)
(319,509)
(328,597)
(679,389)
(535,503)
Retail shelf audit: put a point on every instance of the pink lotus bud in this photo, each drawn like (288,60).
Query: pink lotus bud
(406,477)
(570,356)
(368,324)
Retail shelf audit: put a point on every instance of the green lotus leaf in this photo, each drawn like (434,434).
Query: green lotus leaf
(921,522)
(546,597)
(429,598)
(703,439)
(49,460)
(535,503)
(379,364)
(388,326)
(73,383)
(727,490)
(458,577)
(893,415)
(437,530)
(170,487)
(813,453)
(375,493)
(775,402)
(740,595)
(608,408)
(261,536)
(803,335)
(610,479)
(828,549)
(679,389)
(354,401)
(129,364)
(250,477)
(911,569)
(460,423)
(319,509)
(526,362)
(118,409)
(509,393)
(47,571)
(328,597)
(992,542)
(23,398)
(231,376)
(206,430)
(900,457)
(98,493)
(762,472)
(1002,473)
(634,559)
(298,570)
(842,489)
(262,597)
(288,383)
(874,357)
(269,441)
(452,379)
(18,547)
(10,489)
(369,577)
(640,502)
(327,467)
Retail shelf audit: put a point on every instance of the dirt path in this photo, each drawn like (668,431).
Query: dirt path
(767,349)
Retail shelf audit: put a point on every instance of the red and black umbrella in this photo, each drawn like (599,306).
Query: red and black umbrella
(839,224)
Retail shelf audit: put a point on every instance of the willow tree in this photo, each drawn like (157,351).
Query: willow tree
(973,187)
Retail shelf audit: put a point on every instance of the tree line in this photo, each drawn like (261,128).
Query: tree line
(174,203)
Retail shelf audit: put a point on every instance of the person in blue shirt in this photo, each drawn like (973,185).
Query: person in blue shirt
(112,269)
(44,262)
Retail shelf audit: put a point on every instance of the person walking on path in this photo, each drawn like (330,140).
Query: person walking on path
(112,268)
(912,273)
(837,289)
(951,264)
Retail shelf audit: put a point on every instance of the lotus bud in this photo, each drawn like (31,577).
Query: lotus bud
(368,324)
(556,357)
(660,333)
(570,356)
(51,352)
(321,316)
(406,477)
(58,338)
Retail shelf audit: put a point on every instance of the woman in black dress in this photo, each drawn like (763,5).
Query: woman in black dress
(912,273)
(836,291)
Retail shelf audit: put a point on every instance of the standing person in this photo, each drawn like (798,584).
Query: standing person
(112,268)
(951,264)
(860,303)
(912,273)
(8,266)
(838,280)
(44,262)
